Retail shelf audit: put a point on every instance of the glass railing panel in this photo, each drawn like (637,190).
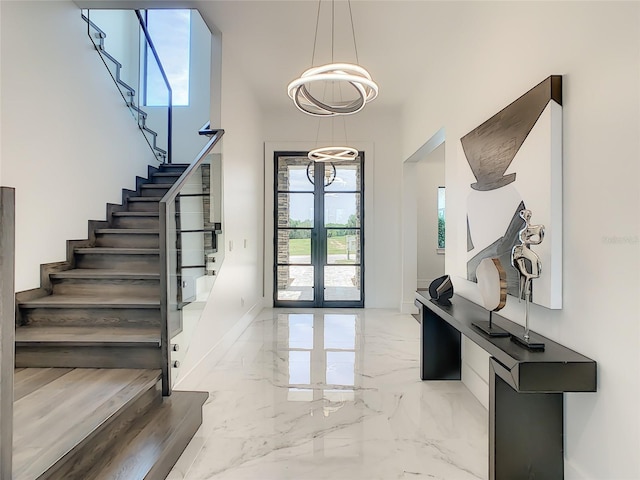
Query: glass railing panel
(128,54)
(192,258)
(184,44)
(107,30)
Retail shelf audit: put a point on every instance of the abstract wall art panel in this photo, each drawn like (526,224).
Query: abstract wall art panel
(516,160)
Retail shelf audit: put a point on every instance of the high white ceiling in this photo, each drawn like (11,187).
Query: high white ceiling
(271,41)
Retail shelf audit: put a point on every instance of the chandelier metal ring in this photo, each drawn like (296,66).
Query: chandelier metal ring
(336,108)
(354,75)
(333,154)
(329,175)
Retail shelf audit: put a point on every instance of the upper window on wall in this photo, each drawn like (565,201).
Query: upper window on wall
(170,32)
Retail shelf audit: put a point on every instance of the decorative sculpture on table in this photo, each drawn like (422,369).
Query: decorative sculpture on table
(529,267)
(492,284)
(441,290)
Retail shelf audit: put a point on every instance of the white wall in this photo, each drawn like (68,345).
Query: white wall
(377,132)
(237,293)
(121,42)
(430,176)
(1,91)
(68,143)
(507,48)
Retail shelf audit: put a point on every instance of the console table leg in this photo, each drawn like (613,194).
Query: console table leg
(440,349)
(525,432)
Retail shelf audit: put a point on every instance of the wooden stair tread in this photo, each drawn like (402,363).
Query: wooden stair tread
(28,380)
(119,250)
(89,335)
(128,231)
(153,445)
(159,186)
(93,301)
(165,174)
(144,199)
(175,165)
(43,432)
(98,273)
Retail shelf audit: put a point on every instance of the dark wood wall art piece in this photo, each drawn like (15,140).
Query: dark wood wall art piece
(516,159)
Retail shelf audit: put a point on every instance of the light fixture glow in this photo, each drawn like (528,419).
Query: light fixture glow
(352,75)
(333,154)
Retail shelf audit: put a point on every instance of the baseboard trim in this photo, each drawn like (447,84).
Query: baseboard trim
(409,308)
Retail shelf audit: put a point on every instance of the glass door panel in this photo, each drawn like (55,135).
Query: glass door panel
(347,177)
(318,237)
(295,210)
(295,283)
(342,283)
(294,246)
(341,210)
(343,246)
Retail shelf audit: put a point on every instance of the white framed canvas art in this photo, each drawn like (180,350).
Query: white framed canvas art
(516,159)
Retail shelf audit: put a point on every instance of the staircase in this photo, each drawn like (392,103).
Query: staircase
(88,401)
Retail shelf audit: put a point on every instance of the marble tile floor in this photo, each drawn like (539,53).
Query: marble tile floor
(332,394)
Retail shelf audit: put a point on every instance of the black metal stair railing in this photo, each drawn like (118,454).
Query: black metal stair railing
(127,92)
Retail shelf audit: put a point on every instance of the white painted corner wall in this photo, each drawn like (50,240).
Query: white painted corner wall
(430,176)
(600,63)
(69,145)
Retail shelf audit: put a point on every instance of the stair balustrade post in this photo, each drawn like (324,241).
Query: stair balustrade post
(7,328)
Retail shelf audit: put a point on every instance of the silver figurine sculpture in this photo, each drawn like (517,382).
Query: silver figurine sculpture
(526,261)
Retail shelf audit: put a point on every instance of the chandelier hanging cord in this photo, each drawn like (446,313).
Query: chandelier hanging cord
(315,38)
(333,26)
(353,33)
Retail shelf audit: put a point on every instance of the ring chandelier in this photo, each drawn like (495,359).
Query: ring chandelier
(348,74)
(351,76)
(333,154)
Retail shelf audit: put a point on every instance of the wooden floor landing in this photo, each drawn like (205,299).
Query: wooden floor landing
(57,409)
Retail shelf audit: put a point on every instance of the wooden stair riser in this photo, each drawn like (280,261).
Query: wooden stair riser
(152,190)
(165,177)
(178,444)
(142,206)
(127,263)
(152,446)
(88,356)
(131,240)
(136,222)
(168,167)
(114,317)
(106,286)
(78,463)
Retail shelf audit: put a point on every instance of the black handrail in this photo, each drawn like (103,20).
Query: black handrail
(168,198)
(143,25)
(207,130)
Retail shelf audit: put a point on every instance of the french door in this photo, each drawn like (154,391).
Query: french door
(319,225)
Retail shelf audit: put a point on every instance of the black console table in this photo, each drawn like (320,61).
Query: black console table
(525,387)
